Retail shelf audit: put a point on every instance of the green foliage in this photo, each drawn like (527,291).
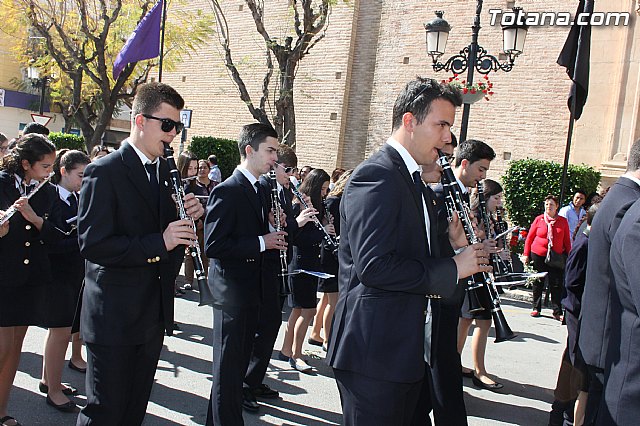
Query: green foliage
(67,140)
(527,182)
(225,149)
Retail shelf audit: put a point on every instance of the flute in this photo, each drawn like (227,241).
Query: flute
(12,210)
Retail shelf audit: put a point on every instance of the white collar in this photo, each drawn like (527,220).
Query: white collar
(632,177)
(64,193)
(19,182)
(252,179)
(409,162)
(143,158)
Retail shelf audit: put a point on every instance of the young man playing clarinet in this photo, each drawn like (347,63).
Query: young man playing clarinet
(236,238)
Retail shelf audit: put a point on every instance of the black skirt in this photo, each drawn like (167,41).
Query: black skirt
(303,291)
(63,294)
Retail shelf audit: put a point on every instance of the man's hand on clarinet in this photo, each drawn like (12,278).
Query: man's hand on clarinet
(193,206)
(472,260)
(275,240)
(178,233)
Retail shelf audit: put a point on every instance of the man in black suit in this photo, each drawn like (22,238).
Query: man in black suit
(236,237)
(129,234)
(388,264)
(271,302)
(595,317)
(622,369)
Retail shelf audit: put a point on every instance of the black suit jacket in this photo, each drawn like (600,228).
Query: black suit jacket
(385,273)
(130,276)
(595,317)
(233,223)
(622,371)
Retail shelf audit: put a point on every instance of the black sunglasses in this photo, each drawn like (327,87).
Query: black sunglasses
(286,169)
(167,124)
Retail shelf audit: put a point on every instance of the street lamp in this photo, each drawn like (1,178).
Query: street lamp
(39,83)
(474,57)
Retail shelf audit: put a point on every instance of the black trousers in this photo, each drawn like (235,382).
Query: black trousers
(367,401)
(233,332)
(269,321)
(555,279)
(596,377)
(118,382)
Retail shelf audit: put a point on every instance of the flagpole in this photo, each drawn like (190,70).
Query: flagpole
(164,21)
(567,148)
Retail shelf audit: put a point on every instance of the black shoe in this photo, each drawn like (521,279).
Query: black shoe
(67,407)
(249,401)
(282,357)
(68,390)
(314,342)
(76,368)
(468,374)
(264,391)
(482,385)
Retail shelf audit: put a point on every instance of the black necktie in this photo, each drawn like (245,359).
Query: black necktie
(417,180)
(73,202)
(28,189)
(153,181)
(260,204)
(282,199)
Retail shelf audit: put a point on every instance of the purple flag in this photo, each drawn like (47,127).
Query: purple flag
(144,41)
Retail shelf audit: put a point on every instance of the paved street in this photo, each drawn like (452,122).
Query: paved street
(527,366)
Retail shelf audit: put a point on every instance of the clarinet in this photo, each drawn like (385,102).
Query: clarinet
(455,203)
(330,243)
(194,250)
(502,227)
(277,212)
(11,210)
(499,267)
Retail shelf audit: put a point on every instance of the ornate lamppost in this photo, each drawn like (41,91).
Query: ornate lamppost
(474,57)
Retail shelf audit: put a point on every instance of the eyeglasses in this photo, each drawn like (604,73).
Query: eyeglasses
(167,124)
(287,170)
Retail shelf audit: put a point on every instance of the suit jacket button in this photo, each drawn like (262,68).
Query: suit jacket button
(28,227)
(27,244)
(148,260)
(26,261)
(157,258)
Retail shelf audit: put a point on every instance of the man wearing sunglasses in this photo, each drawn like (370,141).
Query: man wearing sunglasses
(132,239)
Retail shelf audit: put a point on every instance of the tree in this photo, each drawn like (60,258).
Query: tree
(310,21)
(81,39)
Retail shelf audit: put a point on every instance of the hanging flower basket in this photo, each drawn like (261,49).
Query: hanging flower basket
(471,93)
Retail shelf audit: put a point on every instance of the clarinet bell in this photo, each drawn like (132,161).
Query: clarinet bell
(503,331)
(474,299)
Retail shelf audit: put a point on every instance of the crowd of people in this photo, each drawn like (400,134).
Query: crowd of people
(98,265)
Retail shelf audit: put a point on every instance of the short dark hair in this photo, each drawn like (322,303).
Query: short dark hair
(70,159)
(150,96)
(417,96)
(580,191)
(213,159)
(3,137)
(454,140)
(473,150)
(287,156)
(98,149)
(253,135)
(633,163)
(31,147)
(554,198)
(34,127)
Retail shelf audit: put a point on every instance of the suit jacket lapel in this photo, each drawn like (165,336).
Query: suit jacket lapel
(138,177)
(430,201)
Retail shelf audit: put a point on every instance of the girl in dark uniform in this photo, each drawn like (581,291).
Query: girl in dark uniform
(329,286)
(493,195)
(188,167)
(25,273)
(67,270)
(306,255)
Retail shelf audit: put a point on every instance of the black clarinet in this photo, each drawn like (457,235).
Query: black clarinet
(277,211)
(499,267)
(501,226)
(194,250)
(480,281)
(330,243)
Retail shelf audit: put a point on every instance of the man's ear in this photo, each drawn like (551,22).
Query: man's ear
(138,120)
(408,121)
